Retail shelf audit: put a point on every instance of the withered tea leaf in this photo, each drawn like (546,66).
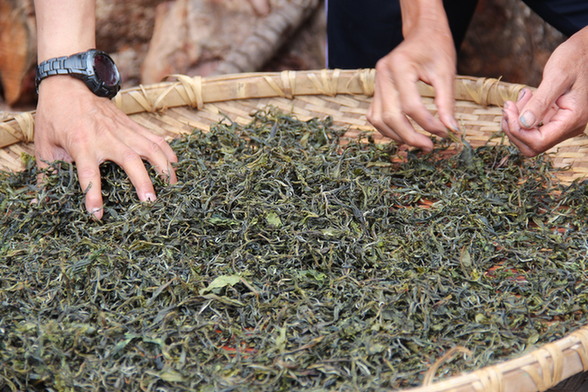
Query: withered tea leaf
(221,282)
(287,258)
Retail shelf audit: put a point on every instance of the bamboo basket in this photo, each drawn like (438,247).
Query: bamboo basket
(176,107)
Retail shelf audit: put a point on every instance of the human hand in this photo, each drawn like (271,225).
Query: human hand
(426,54)
(74,125)
(558,109)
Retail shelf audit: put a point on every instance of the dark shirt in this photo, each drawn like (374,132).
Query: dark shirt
(361,32)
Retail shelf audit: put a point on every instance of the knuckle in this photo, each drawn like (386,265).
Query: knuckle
(542,102)
(375,119)
(153,147)
(382,64)
(104,123)
(384,120)
(379,125)
(390,118)
(157,143)
(532,149)
(384,126)
(159,140)
(129,156)
(412,140)
(88,172)
(390,63)
(412,108)
(79,138)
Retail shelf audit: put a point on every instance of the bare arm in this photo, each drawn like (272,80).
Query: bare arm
(64,27)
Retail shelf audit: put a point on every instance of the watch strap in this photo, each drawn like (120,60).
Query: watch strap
(66,65)
(59,66)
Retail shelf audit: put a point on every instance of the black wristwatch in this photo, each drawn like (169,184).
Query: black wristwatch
(94,67)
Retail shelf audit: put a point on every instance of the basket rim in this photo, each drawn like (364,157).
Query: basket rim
(197,91)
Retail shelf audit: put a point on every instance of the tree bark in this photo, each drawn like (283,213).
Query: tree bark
(267,38)
(193,36)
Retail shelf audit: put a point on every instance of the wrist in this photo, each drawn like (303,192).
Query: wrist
(424,14)
(62,85)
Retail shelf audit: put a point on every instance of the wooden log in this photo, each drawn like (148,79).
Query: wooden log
(123,28)
(17,49)
(204,37)
(269,35)
(191,36)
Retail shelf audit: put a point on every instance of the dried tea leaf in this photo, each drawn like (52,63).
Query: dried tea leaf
(289,257)
(221,282)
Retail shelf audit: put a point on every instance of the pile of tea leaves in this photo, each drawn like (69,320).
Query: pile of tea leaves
(282,261)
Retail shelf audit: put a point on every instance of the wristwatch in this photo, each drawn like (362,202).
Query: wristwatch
(94,67)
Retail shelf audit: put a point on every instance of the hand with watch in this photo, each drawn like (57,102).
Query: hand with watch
(75,119)
(77,122)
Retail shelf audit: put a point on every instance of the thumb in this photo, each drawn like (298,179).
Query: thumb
(548,92)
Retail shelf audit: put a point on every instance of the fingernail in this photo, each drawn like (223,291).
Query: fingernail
(94,212)
(522,94)
(150,197)
(454,126)
(527,119)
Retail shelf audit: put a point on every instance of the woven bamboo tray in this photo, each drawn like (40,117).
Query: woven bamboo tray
(176,107)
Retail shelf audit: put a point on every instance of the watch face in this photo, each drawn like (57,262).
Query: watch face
(106,70)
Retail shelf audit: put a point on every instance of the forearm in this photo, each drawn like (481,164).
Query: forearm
(423,13)
(64,27)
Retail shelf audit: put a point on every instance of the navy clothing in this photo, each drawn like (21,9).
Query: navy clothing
(361,32)
(568,16)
